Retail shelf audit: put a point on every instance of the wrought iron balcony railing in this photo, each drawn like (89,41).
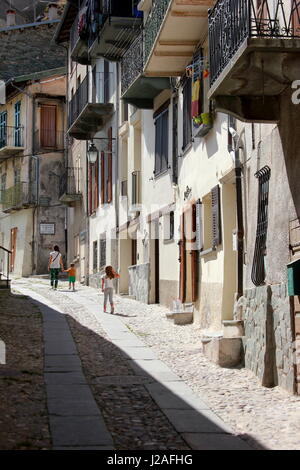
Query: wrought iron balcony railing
(17,197)
(79,100)
(109,9)
(154,23)
(231,22)
(74,33)
(70,182)
(132,63)
(11,136)
(49,139)
(94,89)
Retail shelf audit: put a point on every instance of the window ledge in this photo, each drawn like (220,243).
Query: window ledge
(169,242)
(208,252)
(186,149)
(163,173)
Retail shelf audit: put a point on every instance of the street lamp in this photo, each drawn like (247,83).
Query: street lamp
(92,153)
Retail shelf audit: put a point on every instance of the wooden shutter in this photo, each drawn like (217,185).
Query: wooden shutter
(216,217)
(90,190)
(109,156)
(295,9)
(182,260)
(96,188)
(48,126)
(194,254)
(187,113)
(13,247)
(102,178)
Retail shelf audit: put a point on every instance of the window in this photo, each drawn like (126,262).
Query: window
(134,252)
(161,142)
(17,176)
(95,256)
(168,226)
(106,82)
(93,186)
(135,187)
(17,124)
(102,251)
(48,126)
(76,247)
(258,269)
(187,113)
(2,187)
(3,129)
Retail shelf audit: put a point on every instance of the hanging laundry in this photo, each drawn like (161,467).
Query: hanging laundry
(196,93)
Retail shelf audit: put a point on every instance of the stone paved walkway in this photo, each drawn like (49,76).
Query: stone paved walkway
(138,402)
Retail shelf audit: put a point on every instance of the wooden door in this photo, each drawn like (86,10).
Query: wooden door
(194,255)
(48,126)
(182,261)
(295,301)
(13,247)
(157,277)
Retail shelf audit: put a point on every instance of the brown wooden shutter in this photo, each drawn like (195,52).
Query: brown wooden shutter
(295,7)
(194,254)
(48,126)
(13,247)
(216,217)
(103,178)
(182,260)
(90,190)
(109,156)
(96,188)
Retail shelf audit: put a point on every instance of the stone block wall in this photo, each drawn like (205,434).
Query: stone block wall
(139,282)
(268,341)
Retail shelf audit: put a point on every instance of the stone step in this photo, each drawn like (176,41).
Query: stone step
(233,328)
(225,352)
(183,318)
(4,285)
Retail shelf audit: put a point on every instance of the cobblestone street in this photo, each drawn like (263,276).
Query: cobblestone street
(142,370)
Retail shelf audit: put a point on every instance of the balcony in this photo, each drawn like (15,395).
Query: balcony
(118,26)
(20,196)
(49,140)
(78,45)
(173,30)
(70,186)
(89,109)
(137,89)
(254,56)
(11,141)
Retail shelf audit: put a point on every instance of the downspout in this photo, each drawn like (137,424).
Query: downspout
(34,160)
(239,211)
(240,226)
(87,281)
(117,162)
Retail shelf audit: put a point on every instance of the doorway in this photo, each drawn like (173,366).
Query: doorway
(13,248)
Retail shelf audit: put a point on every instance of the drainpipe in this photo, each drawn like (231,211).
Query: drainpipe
(239,210)
(117,161)
(34,159)
(87,280)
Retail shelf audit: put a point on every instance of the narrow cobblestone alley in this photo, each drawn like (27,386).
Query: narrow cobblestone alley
(143,383)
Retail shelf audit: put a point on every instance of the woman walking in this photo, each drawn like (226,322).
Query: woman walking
(108,287)
(54,266)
